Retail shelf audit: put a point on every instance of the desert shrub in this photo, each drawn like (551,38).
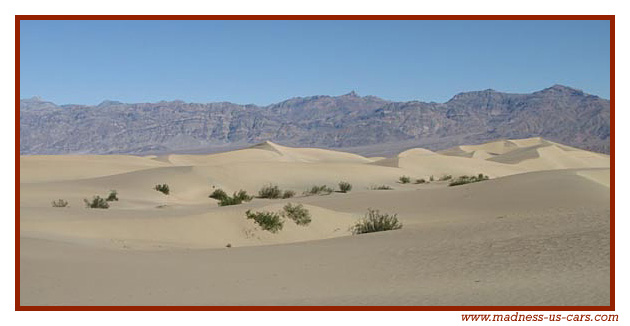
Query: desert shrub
(218,194)
(459,181)
(374,221)
(431,178)
(163,189)
(268,221)
(236,199)
(318,190)
(227,201)
(420,181)
(381,187)
(97,202)
(462,180)
(242,195)
(297,213)
(60,203)
(446,177)
(344,186)
(288,194)
(404,179)
(270,191)
(113,196)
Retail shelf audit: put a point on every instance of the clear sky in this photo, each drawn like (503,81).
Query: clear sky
(263,62)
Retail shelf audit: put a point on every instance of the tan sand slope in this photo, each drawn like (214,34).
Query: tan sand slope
(43,168)
(539,238)
(551,157)
(532,154)
(492,148)
(196,227)
(422,163)
(537,233)
(269,152)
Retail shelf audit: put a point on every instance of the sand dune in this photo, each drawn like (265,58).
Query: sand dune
(532,154)
(493,148)
(269,152)
(422,163)
(536,233)
(43,168)
(196,227)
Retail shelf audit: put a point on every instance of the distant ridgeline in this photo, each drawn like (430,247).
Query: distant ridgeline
(558,113)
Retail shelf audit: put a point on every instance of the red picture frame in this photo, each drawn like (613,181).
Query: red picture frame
(19,18)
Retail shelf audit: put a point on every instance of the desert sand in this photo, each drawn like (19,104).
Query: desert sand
(536,233)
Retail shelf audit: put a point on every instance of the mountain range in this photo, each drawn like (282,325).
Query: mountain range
(361,124)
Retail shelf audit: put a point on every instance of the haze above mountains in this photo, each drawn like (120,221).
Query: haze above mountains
(367,125)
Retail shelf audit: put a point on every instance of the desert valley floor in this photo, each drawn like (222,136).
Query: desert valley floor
(536,233)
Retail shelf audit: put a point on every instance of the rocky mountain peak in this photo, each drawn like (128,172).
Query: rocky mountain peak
(558,113)
(561,89)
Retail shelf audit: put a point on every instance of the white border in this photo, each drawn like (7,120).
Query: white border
(10,317)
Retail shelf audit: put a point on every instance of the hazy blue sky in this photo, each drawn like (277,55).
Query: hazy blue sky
(263,62)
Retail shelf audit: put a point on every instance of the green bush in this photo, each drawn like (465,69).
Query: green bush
(344,186)
(236,199)
(242,195)
(420,181)
(227,201)
(288,194)
(404,179)
(381,187)
(468,179)
(318,190)
(268,221)
(218,194)
(270,191)
(113,196)
(59,203)
(97,202)
(297,213)
(446,177)
(162,188)
(374,221)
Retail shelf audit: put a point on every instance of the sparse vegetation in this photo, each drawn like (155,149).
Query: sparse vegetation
(288,194)
(218,194)
(344,186)
(420,181)
(297,213)
(228,201)
(468,179)
(113,196)
(60,203)
(374,221)
(446,177)
(318,190)
(268,221)
(96,202)
(404,179)
(236,199)
(274,192)
(163,189)
(270,191)
(242,195)
(381,187)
